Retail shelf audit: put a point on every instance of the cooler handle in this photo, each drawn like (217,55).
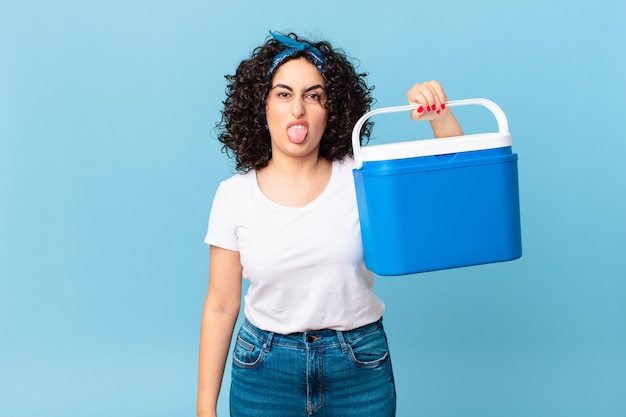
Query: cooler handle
(503,126)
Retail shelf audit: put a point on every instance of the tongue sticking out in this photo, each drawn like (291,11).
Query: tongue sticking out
(297,133)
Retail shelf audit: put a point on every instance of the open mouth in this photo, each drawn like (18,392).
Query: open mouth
(297,131)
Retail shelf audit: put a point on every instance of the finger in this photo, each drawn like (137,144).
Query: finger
(418,112)
(416,96)
(430,96)
(439,92)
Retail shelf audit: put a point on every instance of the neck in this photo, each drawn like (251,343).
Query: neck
(297,168)
(294,182)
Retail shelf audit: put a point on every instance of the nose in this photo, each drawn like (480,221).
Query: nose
(297,107)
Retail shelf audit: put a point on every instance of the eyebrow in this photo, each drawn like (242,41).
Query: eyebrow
(313,87)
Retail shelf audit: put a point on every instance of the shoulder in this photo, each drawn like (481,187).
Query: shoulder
(235,188)
(232,196)
(347,164)
(238,181)
(343,176)
(343,168)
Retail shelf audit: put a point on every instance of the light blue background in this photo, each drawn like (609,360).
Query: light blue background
(108,168)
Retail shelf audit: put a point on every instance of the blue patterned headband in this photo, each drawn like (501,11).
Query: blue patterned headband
(293,47)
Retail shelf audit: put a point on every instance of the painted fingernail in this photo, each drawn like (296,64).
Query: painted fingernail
(438,111)
(420,109)
(443,106)
(428,108)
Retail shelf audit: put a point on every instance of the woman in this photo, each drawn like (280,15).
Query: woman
(312,342)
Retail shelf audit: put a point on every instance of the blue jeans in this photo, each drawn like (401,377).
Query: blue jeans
(318,373)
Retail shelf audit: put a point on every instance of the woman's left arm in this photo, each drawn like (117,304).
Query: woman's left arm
(432,100)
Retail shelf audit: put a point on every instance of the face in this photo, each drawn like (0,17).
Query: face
(295,109)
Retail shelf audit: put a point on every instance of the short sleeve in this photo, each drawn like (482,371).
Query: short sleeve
(222,228)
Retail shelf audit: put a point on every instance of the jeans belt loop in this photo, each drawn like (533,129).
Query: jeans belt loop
(267,344)
(342,341)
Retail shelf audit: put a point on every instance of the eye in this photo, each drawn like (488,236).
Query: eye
(314,96)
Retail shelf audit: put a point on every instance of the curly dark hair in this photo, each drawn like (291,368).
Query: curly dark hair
(242,128)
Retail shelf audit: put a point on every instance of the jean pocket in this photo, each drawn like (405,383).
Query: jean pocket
(369,350)
(247,354)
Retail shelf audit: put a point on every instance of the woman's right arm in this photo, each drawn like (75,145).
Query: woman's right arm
(219,316)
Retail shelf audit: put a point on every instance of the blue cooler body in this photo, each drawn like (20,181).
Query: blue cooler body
(442,210)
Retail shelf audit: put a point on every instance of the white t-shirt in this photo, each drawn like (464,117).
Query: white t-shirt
(305,264)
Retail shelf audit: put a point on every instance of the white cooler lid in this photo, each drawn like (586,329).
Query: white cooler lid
(441,146)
